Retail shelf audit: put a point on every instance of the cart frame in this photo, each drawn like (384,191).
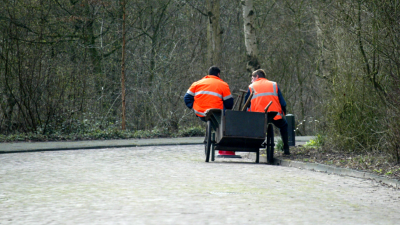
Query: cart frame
(239,131)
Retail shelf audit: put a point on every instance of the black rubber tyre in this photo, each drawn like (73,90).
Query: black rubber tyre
(208,142)
(270,144)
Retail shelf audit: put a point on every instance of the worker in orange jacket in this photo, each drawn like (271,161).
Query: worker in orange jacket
(209,92)
(265,91)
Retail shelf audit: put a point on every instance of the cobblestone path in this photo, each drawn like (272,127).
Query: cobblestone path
(173,185)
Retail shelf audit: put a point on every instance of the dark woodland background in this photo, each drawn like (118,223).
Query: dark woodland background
(336,62)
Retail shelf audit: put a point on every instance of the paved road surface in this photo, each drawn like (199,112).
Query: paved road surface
(11,147)
(173,185)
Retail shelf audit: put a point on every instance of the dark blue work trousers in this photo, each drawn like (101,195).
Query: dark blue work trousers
(282,125)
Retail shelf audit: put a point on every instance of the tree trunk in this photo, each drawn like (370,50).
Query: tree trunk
(250,39)
(123,65)
(322,68)
(209,36)
(214,33)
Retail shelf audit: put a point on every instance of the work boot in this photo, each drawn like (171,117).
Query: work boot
(285,140)
(286,151)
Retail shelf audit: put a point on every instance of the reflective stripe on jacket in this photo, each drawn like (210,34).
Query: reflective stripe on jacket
(209,92)
(265,91)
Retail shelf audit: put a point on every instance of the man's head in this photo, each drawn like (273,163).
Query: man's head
(214,71)
(257,74)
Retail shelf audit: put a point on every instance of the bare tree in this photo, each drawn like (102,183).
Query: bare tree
(214,33)
(123,64)
(250,36)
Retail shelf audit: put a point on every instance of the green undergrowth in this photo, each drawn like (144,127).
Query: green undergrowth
(319,151)
(105,134)
(317,142)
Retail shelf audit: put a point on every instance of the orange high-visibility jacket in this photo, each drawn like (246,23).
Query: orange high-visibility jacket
(209,92)
(264,92)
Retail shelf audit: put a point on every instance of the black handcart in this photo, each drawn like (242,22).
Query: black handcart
(239,131)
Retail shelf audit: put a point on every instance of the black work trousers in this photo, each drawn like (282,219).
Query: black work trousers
(283,128)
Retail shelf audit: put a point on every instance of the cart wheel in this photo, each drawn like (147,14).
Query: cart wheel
(205,148)
(270,144)
(208,141)
(258,156)
(212,147)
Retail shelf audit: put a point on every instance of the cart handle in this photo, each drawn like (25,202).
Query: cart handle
(210,112)
(266,108)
